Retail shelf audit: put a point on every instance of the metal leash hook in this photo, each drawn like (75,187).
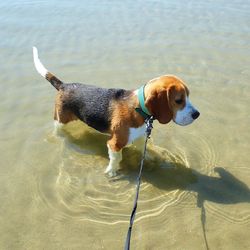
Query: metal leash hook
(149,127)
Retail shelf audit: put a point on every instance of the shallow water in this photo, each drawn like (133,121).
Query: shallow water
(195,191)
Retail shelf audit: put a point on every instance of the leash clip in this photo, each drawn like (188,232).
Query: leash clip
(149,125)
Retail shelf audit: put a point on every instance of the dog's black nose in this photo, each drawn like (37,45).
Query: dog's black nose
(195,115)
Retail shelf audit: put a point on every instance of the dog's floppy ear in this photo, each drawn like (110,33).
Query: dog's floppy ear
(158,104)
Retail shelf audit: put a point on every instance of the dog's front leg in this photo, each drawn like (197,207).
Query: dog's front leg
(115,145)
(115,158)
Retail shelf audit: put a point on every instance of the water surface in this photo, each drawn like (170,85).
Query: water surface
(195,191)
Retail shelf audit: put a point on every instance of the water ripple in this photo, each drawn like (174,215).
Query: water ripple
(80,190)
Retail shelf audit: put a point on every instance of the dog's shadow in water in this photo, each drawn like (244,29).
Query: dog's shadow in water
(224,189)
(168,174)
(161,170)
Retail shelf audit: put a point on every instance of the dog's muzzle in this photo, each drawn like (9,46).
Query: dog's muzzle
(187,115)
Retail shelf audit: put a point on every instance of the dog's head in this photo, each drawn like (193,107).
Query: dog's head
(167,98)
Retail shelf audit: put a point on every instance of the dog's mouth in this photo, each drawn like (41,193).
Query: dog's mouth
(186,119)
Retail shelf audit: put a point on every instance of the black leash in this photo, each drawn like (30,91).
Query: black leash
(149,126)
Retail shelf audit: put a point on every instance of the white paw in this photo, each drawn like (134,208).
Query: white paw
(110,171)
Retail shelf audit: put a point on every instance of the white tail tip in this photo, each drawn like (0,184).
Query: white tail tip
(39,66)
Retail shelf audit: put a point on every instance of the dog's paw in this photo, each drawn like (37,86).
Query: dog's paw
(110,172)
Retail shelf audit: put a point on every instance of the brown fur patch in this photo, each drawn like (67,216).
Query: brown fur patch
(62,114)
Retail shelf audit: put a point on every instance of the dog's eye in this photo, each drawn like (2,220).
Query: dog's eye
(178,101)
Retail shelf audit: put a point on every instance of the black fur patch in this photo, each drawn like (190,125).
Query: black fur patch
(91,104)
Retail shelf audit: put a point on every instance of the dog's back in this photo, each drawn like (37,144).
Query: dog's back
(90,104)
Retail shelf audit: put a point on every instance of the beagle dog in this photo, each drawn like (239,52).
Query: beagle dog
(118,112)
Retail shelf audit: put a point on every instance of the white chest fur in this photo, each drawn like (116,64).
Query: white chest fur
(135,133)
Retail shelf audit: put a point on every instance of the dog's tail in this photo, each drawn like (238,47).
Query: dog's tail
(44,72)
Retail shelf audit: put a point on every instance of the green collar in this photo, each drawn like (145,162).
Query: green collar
(143,111)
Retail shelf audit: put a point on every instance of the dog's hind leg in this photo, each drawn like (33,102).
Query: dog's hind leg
(58,125)
(62,115)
